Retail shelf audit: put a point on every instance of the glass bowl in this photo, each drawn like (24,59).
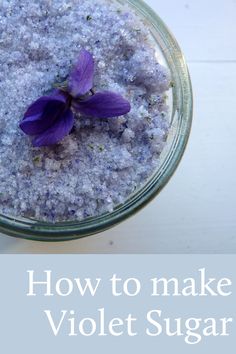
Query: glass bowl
(180,102)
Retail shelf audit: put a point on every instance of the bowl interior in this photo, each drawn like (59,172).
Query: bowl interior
(180,105)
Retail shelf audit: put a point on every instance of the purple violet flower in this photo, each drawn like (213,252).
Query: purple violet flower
(51,118)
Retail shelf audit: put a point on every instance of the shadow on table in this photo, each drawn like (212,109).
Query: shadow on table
(7,243)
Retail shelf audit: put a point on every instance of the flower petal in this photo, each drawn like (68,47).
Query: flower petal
(104,104)
(42,113)
(81,78)
(57,132)
(38,106)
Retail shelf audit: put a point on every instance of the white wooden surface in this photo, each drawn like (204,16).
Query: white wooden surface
(196,211)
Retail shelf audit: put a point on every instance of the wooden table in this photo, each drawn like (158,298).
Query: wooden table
(195,213)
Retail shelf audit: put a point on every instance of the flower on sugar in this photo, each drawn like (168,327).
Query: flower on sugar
(51,118)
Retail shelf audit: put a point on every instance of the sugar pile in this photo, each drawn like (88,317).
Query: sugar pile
(103,160)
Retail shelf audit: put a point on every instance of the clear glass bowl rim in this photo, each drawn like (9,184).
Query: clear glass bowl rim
(40,231)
